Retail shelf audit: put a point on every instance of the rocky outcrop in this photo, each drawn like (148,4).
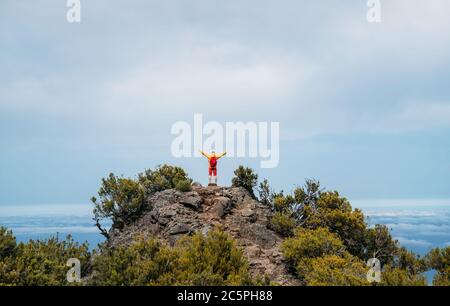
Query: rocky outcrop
(171,214)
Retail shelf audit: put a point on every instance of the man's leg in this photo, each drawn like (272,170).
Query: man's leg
(215,176)
(210,176)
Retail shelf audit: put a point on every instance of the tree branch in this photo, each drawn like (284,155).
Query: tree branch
(103,231)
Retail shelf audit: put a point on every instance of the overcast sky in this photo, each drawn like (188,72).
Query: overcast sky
(363,107)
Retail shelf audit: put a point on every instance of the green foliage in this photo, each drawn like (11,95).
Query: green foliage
(333,270)
(327,212)
(213,259)
(162,178)
(308,243)
(405,269)
(283,221)
(291,206)
(246,178)
(313,208)
(145,262)
(439,260)
(183,185)
(442,278)
(336,214)
(319,259)
(121,200)
(309,194)
(284,204)
(283,224)
(408,261)
(43,262)
(380,244)
(391,276)
(266,193)
(7,242)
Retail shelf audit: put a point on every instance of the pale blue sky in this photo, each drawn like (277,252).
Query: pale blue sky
(365,108)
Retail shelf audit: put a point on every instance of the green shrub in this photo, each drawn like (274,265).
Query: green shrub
(307,243)
(332,270)
(266,193)
(246,178)
(7,242)
(283,224)
(380,244)
(213,259)
(335,213)
(442,278)
(43,262)
(391,276)
(408,261)
(303,199)
(439,260)
(162,178)
(282,203)
(319,258)
(183,185)
(121,200)
(314,208)
(309,194)
(144,262)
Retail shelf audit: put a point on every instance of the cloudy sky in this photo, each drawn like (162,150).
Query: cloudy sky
(363,107)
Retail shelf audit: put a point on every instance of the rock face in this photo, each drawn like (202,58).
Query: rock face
(172,214)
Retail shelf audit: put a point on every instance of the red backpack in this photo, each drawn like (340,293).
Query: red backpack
(213,162)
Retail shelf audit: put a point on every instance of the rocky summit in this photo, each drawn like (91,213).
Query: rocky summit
(171,214)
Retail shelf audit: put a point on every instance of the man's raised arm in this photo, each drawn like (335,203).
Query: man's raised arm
(221,155)
(204,154)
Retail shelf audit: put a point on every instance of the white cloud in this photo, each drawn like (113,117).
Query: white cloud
(225,77)
(316,75)
(415,117)
(55,229)
(422,229)
(403,203)
(413,242)
(396,214)
(60,210)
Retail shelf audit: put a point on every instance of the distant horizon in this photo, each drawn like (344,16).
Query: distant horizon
(364,201)
(418,227)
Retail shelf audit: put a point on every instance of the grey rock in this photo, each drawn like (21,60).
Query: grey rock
(163,221)
(225,202)
(194,202)
(218,210)
(168,213)
(196,184)
(179,229)
(250,215)
(153,216)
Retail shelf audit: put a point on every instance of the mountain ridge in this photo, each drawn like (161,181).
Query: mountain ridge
(171,214)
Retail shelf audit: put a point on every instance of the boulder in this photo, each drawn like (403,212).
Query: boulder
(193,201)
(179,229)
